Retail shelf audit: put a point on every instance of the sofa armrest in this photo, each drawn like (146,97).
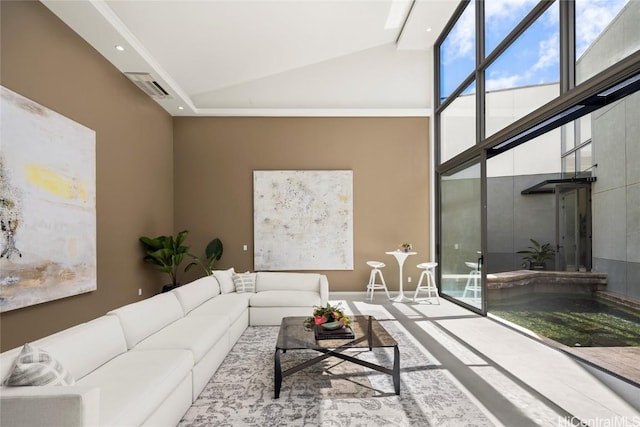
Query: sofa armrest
(324,290)
(49,406)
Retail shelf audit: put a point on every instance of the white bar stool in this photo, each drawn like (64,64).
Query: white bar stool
(429,278)
(473,281)
(372,285)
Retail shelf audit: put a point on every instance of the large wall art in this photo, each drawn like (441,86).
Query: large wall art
(47,204)
(303,220)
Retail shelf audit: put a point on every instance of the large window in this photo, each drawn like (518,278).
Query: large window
(532,97)
(458,124)
(461,259)
(501,17)
(458,53)
(526,75)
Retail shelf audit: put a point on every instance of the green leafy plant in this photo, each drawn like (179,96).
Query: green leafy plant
(166,253)
(537,254)
(213,253)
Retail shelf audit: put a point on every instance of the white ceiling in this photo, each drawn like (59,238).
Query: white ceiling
(272,57)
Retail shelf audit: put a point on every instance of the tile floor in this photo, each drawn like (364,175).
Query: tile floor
(516,379)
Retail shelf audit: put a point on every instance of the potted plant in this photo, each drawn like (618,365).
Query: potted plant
(213,253)
(330,313)
(406,247)
(537,255)
(166,254)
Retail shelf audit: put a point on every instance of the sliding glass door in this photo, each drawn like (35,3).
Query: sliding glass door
(461,236)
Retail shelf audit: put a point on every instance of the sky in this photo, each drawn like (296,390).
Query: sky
(534,56)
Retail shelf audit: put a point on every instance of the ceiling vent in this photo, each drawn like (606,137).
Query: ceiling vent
(148,85)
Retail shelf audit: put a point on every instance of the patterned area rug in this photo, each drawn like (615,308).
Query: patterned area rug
(330,393)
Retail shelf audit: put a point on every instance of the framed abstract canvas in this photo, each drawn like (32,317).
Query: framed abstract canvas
(303,220)
(48,204)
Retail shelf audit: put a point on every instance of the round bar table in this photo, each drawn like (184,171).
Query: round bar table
(400,256)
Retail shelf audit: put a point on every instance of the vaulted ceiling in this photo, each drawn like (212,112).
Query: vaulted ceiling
(270,57)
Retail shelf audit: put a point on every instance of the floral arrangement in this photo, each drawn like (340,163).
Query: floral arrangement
(406,247)
(329,313)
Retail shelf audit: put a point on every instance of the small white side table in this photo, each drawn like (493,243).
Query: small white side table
(401,256)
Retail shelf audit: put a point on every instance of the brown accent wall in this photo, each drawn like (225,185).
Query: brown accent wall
(214,160)
(44,60)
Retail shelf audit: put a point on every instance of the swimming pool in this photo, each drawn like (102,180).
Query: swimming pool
(573,320)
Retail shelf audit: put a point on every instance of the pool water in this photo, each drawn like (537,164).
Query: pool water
(573,320)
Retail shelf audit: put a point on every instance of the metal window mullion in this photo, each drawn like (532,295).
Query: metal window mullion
(484,236)
(479,75)
(480,134)
(567,45)
(437,112)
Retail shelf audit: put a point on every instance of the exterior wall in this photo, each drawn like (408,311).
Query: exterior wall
(44,60)
(620,39)
(513,219)
(615,136)
(616,195)
(215,159)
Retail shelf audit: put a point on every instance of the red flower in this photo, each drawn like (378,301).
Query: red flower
(319,320)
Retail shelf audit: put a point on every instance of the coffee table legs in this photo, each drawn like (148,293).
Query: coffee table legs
(277,373)
(396,369)
(277,368)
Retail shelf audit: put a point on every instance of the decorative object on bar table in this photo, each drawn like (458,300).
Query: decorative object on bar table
(328,314)
(406,247)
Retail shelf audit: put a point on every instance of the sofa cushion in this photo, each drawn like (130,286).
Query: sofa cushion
(195,293)
(225,278)
(229,305)
(245,282)
(36,367)
(197,334)
(285,299)
(136,383)
(274,281)
(141,319)
(80,349)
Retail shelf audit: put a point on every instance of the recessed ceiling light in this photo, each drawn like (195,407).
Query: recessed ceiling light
(180,107)
(120,48)
(428,29)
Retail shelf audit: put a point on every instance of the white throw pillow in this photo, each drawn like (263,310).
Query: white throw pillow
(36,367)
(225,279)
(245,282)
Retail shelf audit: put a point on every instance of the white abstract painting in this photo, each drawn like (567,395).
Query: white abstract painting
(47,204)
(303,220)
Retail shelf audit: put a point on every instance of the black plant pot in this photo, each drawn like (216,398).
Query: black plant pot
(537,266)
(167,288)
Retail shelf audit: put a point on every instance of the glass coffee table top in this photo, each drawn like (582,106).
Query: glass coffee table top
(293,335)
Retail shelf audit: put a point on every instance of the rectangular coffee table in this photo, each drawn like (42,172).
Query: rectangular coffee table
(368,332)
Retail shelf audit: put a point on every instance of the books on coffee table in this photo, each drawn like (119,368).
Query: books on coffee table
(335,334)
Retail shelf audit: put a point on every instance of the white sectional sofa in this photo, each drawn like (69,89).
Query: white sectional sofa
(146,362)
